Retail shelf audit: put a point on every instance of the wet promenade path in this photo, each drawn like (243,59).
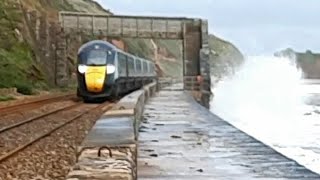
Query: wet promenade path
(179,139)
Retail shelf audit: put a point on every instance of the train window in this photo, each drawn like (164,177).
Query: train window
(138,65)
(97,57)
(142,66)
(131,65)
(151,67)
(122,60)
(148,63)
(145,67)
(122,63)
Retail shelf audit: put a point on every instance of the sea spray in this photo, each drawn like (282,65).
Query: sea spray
(265,98)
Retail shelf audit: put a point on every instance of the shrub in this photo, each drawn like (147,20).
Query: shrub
(24,88)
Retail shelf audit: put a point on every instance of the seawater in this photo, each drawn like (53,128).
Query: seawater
(267,98)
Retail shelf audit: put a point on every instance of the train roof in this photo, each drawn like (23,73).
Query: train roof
(102,44)
(107,45)
(140,58)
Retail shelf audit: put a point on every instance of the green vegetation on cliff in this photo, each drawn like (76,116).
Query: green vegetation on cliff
(225,57)
(18,66)
(16,58)
(86,6)
(52,6)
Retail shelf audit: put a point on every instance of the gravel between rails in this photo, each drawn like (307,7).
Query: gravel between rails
(17,136)
(51,157)
(22,115)
(33,104)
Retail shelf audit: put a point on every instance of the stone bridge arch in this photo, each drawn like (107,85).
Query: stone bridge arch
(192,32)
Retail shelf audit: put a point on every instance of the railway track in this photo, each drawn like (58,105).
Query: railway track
(33,104)
(29,120)
(51,119)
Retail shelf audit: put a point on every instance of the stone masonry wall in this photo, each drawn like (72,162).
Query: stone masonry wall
(205,87)
(48,43)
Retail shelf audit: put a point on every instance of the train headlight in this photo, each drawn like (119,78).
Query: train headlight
(110,69)
(82,69)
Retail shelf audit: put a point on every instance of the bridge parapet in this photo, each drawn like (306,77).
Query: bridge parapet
(124,26)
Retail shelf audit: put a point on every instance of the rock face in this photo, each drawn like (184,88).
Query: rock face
(225,57)
(308,62)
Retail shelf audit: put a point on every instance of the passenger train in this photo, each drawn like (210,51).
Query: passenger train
(104,71)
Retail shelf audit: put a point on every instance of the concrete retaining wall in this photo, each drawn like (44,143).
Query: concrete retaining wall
(110,149)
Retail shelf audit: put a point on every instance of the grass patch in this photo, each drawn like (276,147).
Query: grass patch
(6,98)
(15,69)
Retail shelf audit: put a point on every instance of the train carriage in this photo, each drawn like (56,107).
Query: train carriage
(104,71)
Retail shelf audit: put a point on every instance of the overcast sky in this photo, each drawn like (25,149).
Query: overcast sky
(254,26)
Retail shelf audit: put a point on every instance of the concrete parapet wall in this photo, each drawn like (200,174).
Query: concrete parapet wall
(110,149)
(105,163)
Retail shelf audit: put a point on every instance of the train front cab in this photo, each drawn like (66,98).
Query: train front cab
(96,72)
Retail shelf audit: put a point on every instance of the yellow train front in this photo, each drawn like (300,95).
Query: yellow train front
(104,71)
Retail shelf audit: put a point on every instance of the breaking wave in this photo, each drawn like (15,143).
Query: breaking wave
(266,98)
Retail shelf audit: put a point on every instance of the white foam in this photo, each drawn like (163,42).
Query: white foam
(266,100)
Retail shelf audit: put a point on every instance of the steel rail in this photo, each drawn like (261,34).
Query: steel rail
(4,129)
(22,147)
(32,104)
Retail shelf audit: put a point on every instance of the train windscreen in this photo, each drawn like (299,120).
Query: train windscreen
(98,57)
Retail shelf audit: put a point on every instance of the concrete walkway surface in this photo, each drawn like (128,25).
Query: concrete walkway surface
(181,140)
